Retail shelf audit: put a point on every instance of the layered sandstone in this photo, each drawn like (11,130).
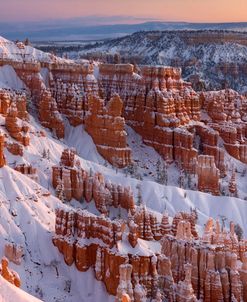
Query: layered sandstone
(2,157)
(49,115)
(17,128)
(11,276)
(14,252)
(84,185)
(106,126)
(185,269)
(227,110)
(208,175)
(15,148)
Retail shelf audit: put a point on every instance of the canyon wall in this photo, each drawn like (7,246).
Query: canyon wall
(185,267)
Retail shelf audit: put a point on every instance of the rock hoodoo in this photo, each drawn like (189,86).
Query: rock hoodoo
(106,126)
(184,268)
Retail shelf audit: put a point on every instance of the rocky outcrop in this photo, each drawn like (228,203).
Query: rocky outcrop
(7,97)
(14,252)
(15,148)
(17,128)
(106,126)
(2,157)
(208,175)
(185,269)
(156,101)
(28,170)
(83,185)
(11,276)
(227,110)
(49,115)
(146,224)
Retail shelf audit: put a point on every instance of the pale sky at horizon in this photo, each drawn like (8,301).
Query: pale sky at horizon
(167,10)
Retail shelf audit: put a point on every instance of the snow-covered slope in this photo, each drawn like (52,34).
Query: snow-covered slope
(11,293)
(19,52)
(9,78)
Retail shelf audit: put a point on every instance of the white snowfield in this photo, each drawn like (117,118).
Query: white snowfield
(9,292)
(19,53)
(9,78)
(27,209)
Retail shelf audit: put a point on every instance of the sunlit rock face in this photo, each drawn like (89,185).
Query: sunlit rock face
(170,116)
(227,111)
(74,182)
(49,115)
(106,126)
(208,175)
(2,157)
(186,267)
(17,129)
(8,274)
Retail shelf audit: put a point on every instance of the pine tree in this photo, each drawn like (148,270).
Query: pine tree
(163,175)
(158,174)
(48,154)
(44,154)
(239,231)
(232,187)
(139,195)
(181,179)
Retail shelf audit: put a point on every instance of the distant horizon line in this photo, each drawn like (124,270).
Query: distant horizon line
(104,20)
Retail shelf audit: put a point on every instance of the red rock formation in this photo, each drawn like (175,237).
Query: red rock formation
(125,286)
(27,170)
(13,252)
(11,276)
(243,274)
(9,97)
(147,225)
(95,241)
(2,157)
(209,139)
(49,115)
(15,148)
(155,101)
(106,126)
(208,175)
(165,227)
(133,233)
(5,101)
(78,184)
(227,111)
(17,129)
(185,292)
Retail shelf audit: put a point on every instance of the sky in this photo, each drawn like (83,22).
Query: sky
(167,10)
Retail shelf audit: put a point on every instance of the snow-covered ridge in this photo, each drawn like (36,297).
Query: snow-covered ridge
(19,52)
(216,61)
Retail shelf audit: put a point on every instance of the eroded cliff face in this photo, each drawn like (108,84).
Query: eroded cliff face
(8,274)
(74,182)
(184,267)
(170,116)
(2,157)
(106,126)
(13,106)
